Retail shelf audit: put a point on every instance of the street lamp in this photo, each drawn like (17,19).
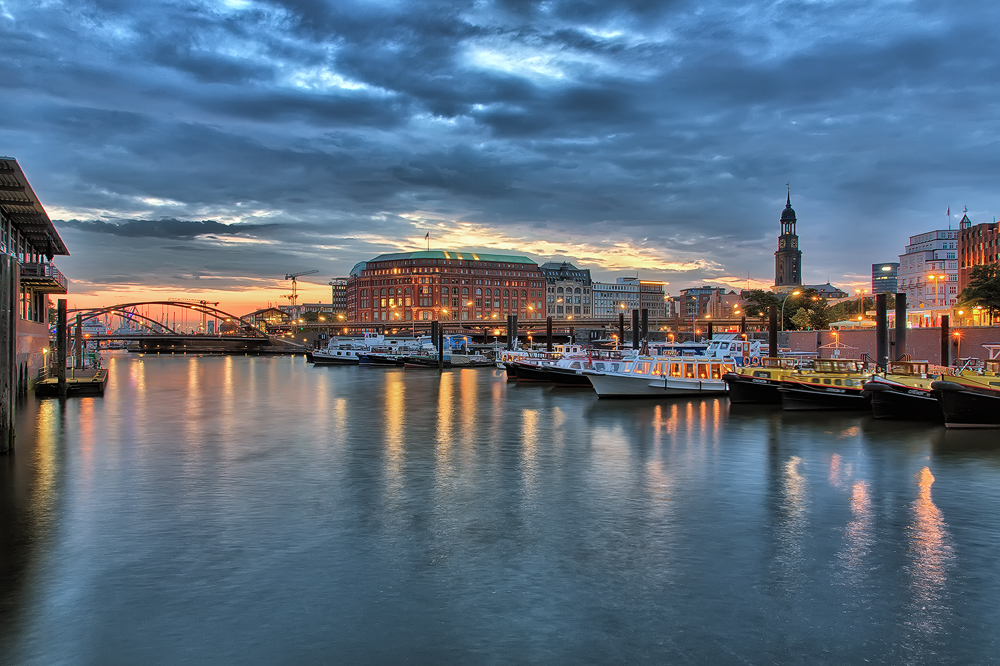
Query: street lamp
(782,326)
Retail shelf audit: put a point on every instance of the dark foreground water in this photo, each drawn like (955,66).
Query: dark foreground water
(263,511)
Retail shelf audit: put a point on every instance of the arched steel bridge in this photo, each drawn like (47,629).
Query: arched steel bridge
(130,315)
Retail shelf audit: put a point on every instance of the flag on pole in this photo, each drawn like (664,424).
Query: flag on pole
(949,211)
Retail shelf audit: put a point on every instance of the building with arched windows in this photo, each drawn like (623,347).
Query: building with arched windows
(567,290)
(440,285)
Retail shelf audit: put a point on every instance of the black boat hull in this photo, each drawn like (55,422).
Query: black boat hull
(511,371)
(532,373)
(568,378)
(808,398)
(967,408)
(743,389)
(907,404)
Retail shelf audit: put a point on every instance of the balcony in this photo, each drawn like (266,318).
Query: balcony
(43,277)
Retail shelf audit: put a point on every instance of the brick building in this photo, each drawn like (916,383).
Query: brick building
(444,285)
(978,245)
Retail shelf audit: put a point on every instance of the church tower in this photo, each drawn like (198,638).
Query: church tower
(788,258)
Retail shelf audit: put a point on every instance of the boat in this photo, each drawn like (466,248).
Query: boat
(758,383)
(970,398)
(830,384)
(904,392)
(662,376)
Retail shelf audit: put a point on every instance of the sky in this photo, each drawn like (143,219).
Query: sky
(206,149)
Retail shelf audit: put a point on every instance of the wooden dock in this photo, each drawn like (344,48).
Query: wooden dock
(79,383)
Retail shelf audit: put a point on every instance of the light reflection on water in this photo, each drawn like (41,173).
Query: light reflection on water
(260,510)
(932,556)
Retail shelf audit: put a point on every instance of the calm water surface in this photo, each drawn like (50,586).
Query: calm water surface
(264,511)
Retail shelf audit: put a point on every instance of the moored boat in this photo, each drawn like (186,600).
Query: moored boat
(759,383)
(970,398)
(662,376)
(904,392)
(831,384)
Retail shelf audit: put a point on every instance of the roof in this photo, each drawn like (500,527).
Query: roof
(20,205)
(449,254)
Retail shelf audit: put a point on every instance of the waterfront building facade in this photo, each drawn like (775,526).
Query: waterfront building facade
(707,302)
(928,270)
(978,245)
(338,289)
(568,290)
(788,258)
(885,277)
(610,298)
(445,286)
(28,243)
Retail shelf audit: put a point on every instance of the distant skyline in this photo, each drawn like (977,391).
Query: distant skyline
(208,148)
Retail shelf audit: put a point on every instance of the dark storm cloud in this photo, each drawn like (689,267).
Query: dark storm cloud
(165,228)
(669,125)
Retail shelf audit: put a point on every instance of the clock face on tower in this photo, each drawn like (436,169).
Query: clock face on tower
(781,242)
(795,241)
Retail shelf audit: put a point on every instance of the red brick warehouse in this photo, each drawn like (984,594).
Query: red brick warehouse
(445,286)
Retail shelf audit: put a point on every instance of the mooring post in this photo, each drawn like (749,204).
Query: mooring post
(881,333)
(78,346)
(711,331)
(621,330)
(645,324)
(572,336)
(743,325)
(945,341)
(635,329)
(440,345)
(548,334)
(900,326)
(772,332)
(61,345)
(513,325)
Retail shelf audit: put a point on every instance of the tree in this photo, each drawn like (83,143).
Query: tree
(819,318)
(757,302)
(801,319)
(983,289)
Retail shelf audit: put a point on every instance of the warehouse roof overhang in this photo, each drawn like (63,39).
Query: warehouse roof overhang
(20,205)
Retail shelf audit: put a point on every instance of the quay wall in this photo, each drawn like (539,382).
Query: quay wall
(922,344)
(32,338)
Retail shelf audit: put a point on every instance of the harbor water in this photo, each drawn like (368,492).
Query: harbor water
(259,510)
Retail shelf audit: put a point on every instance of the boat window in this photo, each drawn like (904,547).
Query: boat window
(642,368)
(703,371)
(575,365)
(675,369)
(826,381)
(838,382)
(716,371)
(728,367)
(689,370)
(762,373)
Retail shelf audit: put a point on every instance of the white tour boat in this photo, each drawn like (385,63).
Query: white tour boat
(656,376)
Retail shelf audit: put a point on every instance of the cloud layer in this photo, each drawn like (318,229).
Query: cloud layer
(241,140)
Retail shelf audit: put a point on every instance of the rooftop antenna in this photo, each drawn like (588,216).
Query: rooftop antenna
(949,217)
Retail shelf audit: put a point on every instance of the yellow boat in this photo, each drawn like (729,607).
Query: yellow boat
(971,398)
(829,384)
(759,383)
(904,392)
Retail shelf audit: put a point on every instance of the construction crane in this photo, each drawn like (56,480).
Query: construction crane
(293,297)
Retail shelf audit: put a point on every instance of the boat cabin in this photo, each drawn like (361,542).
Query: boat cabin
(837,366)
(909,368)
(685,367)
